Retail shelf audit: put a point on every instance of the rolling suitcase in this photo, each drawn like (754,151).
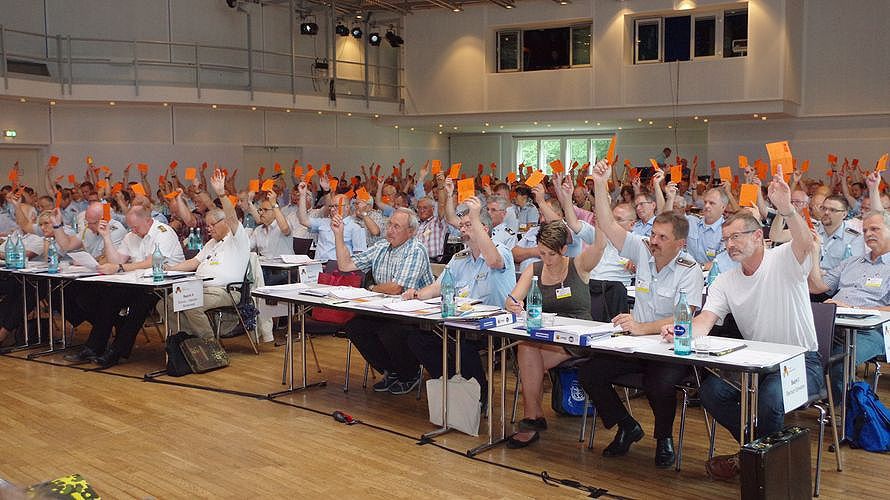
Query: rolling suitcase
(777,466)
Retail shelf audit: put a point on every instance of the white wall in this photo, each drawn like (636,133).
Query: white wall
(157,135)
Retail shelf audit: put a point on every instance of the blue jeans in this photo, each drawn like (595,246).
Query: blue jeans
(723,402)
(869,343)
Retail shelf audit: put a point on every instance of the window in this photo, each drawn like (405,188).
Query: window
(687,37)
(538,152)
(508,51)
(541,49)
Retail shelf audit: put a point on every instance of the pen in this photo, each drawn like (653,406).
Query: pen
(731,349)
(512,298)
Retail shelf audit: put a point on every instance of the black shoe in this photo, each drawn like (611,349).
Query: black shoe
(533,424)
(85,355)
(514,443)
(664,453)
(623,439)
(108,359)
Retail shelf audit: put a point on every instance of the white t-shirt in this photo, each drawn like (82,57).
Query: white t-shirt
(224,261)
(139,249)
(771,305)
(269,241)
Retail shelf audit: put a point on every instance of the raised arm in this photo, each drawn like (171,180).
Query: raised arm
(450,214)
(605,220)
(302,214)
(487,247)
(873,181)
(657,177)
(344,259)
(564,192)
(218,182)
(66,241)
(780,195)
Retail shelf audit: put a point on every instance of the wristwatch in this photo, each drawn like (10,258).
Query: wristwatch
(58,227)
(120,268)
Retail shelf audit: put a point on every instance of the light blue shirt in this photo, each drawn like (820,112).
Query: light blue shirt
(845,242)
(703,242)
(476,279)
(503,235)
(325,250)
(530,240)
(860,281)
(643,228)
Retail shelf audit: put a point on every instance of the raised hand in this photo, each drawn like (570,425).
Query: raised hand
(474,207)
(449,187)
(218,182)
(601,171)
(337,225)
(779,192)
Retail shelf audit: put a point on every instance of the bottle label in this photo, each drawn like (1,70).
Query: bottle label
(680,330)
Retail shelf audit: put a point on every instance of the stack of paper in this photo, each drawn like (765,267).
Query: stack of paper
(350,293)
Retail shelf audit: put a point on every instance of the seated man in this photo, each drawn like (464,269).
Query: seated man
(860,282)
(354,235)
(663,270)
(223,260)
(483,271)
(271,237)
(767,295)
(121,307)
(398,263)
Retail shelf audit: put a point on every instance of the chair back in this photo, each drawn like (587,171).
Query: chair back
(823,318)
(302,246)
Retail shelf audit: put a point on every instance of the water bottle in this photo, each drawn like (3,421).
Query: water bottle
(713,273)
(190,242)
(199,241)
(52,257)
(9,252)
(848,252)
(157,264)
(249,223)
(682,327)
(534,304)
(21,258)
(447,289)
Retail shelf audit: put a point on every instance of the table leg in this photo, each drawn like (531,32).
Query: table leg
(752,406)
(744,423)
(25,311)
(166,331)
(848,379)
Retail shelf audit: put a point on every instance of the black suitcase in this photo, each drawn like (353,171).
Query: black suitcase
(777,466)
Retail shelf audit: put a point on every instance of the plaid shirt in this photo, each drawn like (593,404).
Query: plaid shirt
(431,234)
(406,265)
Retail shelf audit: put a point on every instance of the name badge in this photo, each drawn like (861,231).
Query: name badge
(874,282)
(642,287)
(623,261)
(711,253)
(464,292)
(564,292)
(427,233)
(214,262)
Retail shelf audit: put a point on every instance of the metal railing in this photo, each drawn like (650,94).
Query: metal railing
(78,60)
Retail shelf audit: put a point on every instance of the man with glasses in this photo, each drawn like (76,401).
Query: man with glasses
(767,295)
(354,235)
(839,240)
(778,233)
(644,204)
(501,233)
(433,227)
(663,269)
(272,237)
(398,263)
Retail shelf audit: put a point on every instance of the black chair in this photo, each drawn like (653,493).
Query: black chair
(303,246)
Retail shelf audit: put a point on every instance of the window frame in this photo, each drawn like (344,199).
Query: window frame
(718,35)
(659,22)
(718,15)
(564,155)
(520,67)
(518,61)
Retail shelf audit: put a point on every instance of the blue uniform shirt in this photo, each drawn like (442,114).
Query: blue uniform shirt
(474,278)
(703,241)
(845,242)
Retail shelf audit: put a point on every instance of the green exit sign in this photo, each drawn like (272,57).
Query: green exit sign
(9,133)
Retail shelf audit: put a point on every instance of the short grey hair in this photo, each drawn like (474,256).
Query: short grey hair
(413,221)
(883,214)
(500,200)
(724,198)
(484,218)
(217,214)
(426,198)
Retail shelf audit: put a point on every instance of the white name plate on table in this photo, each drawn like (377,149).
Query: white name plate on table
(794,382)
(188,295)
(887,340)
(309,274)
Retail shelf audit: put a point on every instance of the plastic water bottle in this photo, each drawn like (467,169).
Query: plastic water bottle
(157,264)
(190,242)
(249,223)
(534,304)
(447,291)
(21,258)
(199,241)
(682,327)
(713,273)
(9,252)
(52,257)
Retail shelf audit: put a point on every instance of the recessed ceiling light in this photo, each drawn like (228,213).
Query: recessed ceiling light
(166,104)
(213,106)
(412,129)
(651,122)
(639,119)
(487,125)
(619,128)
(670,126)
(52,103)
(348,114)
(508,6)
(287,110)
(763,118)
(455,128)
(22,99)
(695,118)
(586,121)
(376,115)
(500,126)
(756,115)
(573,130)
(440,125)
(112,103)
(319,112)
(534,123)
(440,132)
(597,124)
(483,131)
(395,126)
(457,9)
(548,125)
(705,120)
(253,108)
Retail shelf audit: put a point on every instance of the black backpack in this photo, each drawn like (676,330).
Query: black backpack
(177,365)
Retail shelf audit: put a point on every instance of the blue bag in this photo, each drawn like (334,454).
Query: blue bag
(868,420)
(567,396)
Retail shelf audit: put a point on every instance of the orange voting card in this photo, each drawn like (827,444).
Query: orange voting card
(436,167)
(334,182)
(253,185)
(574,166)
(805,166)
(610,154)
(309,174)
(340,207)
(106,212)
(268,184)
(832,159)
(138,189)
(454,173)
(173,164)
(161,180)
(277,167)
(806,217)
(362,194)
(58,199)
(232,199)
(654,163)
(117,188)
(676,174)
(401,161)
(261,171)
(13,175)
(171,195)
(466,188)
(534,179)
(556,166)
(743,162)
(748,195)
(72,179)
(486,180)
(479,169)
(780,154)
(761,169)
(101,184)
(298,171)
(349,194)
(190,173)
(633,173)
(493,166)
(627,163)
(882,163)
(726,174)
(325,168)
(53,160)
(396,171)
(143,167)
(511,177)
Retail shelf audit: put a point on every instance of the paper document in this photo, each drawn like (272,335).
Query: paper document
(409,306)
(283,288)
(350,293)
(586,329)
(170,275)
(84,259)
(628,343)
(856,310)
(296,259)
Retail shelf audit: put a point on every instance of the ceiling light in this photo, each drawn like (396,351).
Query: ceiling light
(486,124)
(440,125)
(705,120)
(287,110)
(508,6)
(763,118)
(670,126)
(457,8)
(376,115)
(695,118)
(756,115)
(112,103)
(619,128)
(500,126)
(52,103)
(650,122)
(357,31)
(395,126)
(483,131)
(548,125)
(412,129)
(597,124)
(309,29)
(166,104)
(319,112)
(374,39)
(586,121)
(455,128)
(253,108)
(348,114)
(440,132)
(341,29)
(22,99)
(213,106)
(639,119)
(534,123)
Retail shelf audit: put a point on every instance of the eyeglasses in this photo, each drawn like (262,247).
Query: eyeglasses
(799,203)
(261,210)
(638,205)
(734,237)
(834,210)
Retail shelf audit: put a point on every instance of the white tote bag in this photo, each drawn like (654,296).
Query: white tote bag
(464,406)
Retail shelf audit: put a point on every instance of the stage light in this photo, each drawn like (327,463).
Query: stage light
(356,32)
(341,30)
(393,39)
(308,28)
(232,3)
(374,39)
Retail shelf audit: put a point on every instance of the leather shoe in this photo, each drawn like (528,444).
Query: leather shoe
(85,355)
(533,424)
(514,443)
(664,453)
(623,439)
(108,359)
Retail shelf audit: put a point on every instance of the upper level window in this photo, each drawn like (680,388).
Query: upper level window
(546,48)
(691,36)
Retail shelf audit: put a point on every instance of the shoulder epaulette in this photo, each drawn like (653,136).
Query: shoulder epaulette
(685,262)
(853,231)
(509,231)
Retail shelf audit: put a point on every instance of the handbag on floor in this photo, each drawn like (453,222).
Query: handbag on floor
(177,365)
(204,354)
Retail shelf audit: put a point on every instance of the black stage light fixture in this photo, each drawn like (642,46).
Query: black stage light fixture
(356,32)
(232,3)
(341,30)
(374,39)
(308,28)
(393,39)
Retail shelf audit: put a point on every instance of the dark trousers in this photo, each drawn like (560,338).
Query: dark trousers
(12,301)
(607,300)
(382,343)
(427,349)
(659,383)
(110,301)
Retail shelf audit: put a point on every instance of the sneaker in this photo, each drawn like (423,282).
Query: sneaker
(386,382)
(723,467)
(400,387)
